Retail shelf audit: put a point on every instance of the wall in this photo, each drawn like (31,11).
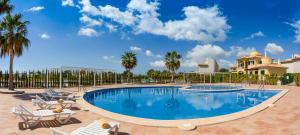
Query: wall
(293,67)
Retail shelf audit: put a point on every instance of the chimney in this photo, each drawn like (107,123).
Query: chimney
(265,53)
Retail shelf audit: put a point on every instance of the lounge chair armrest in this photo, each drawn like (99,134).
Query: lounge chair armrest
(15,110)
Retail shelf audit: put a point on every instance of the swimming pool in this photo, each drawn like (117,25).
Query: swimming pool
(171,103)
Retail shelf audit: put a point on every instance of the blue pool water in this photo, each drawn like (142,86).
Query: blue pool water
(170,103)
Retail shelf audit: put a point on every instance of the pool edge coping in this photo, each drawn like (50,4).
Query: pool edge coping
(175,123)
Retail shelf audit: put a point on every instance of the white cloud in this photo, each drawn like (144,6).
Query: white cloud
(108,57)
(124,18)
(149,53)
(240,51)
(111,28)
(45,36)
(158,64)
(88,8)
(296,25)
(88,32)
(35,9)
(274,48)
(198,24)
(143,6)
(200,52)
(253,35)
(158,56)
(89,21)
(67,3)
(135,48)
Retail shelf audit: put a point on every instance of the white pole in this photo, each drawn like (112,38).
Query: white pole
(184,77)
(47,72)
(60,78)
(94,78)
(101,81)
(116,78)
(210,78)
(230,78)
(223,78)
(79,79)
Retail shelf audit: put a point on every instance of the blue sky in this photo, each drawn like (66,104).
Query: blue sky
(94,33)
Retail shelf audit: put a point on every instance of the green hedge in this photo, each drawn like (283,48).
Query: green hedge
(297,79)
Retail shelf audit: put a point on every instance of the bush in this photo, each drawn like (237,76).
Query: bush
(297,79)
(287,78)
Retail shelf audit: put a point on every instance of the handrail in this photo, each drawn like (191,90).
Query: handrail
(262,85)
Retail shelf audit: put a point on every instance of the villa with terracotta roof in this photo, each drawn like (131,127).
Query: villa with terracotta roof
(257,64)
(293,64)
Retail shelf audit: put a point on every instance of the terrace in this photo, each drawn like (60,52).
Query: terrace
(149,89)
(283,118)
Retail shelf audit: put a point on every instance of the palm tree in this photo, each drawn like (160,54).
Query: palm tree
(129,61)
(13,40)
(5,6)
(172,62)
(152,73)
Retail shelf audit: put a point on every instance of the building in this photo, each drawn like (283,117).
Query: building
(209,66)
(257,64)
(293,64)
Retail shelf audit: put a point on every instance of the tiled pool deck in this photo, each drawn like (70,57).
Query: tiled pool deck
(282,119)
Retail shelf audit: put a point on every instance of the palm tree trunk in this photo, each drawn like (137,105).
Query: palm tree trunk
(128,76)
(11,77)
(172,75)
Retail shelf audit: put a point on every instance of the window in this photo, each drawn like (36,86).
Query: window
(262,72)
(251,62)
(256,72)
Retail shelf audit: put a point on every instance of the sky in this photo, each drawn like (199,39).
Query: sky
(95,33)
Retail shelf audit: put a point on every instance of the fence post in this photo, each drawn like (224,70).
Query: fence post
(116,78)
(94,78)
(47,78)
(101,78)
(210,78)
(229,77)
(79,79)
(60,78)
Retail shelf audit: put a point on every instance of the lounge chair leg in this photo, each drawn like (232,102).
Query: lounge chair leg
(116,130)
(62,120)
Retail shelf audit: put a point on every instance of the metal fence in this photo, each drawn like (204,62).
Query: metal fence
(51,78)
(56,78)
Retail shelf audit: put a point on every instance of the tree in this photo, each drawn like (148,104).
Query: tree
(13,40)
(172,62)
(152,73)
(129,61)
(223,70)
(5,6)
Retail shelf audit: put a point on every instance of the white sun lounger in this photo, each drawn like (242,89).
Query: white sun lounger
(50,94)
(32,118)
(91,129)
(49,104)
